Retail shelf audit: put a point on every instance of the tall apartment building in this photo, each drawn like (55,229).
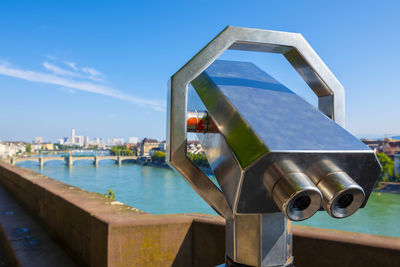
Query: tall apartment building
(146,145)
(72,136)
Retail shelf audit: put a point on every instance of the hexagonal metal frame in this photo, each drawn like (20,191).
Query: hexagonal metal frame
(299,54)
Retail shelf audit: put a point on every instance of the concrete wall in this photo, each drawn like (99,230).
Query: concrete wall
(100,232)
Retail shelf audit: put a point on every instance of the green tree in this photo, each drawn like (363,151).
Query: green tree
(199,159)
(28,148)
(110,194)
(120,151)
(387,167)
(158,156)
(95,147)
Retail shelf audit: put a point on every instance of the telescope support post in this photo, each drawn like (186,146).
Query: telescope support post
(259,240)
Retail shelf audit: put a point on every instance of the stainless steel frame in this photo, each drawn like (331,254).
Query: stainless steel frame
(296,50)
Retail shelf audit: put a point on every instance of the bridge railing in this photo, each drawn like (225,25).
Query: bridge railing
(69,160)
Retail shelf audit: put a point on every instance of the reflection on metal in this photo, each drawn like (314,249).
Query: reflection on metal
(251,237)
(342,196)
(200,122)
(292,190)
(275,156)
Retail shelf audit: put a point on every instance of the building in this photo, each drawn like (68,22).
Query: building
(145,146)
(72,136)
(116,141)
(36,147)
(375,145)
(391,147)
(2,151)
(130,146)
(66,141)
(78,141)
(97,141)
(194,147)
(86,140)
(11,149)
(39,140)
(397,163)
(162,146)
(47,146)
(133,140)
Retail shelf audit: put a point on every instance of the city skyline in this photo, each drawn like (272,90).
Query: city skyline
(75,139)
(106,72)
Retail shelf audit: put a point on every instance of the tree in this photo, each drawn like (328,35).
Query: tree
(158,156)
(120,151)
(94,147)
(387,167)
(110,194)
(28,148)
(199,159)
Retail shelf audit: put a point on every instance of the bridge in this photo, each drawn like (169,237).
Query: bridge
(69,160)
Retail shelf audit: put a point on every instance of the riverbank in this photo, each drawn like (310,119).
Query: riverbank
(206,170)
(152,164)
(389,187)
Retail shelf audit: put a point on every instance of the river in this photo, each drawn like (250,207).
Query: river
(162,191)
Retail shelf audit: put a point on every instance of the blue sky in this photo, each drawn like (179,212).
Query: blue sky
(102,67)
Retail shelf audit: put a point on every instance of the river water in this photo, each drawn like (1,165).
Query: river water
(162,191)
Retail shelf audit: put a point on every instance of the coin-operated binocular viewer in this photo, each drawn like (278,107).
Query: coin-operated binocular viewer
(276,158)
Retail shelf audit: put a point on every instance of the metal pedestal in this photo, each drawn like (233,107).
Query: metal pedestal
(259,240)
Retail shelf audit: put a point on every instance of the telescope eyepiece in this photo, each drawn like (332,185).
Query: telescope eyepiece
(344,201)
(292,191)
(301,203)
(342,196)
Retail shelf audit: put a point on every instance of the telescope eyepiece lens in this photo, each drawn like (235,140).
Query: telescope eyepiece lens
(301,203)
(344,201)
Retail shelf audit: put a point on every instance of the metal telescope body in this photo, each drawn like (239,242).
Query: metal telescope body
(276,157)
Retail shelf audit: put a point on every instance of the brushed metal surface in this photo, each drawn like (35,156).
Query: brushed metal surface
(259,239)
(259,116)
(254,198)
(231,37)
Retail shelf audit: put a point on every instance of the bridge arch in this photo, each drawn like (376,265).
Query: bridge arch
(18,161)
(50,160)
(108,159)
(83,159)
(128,159)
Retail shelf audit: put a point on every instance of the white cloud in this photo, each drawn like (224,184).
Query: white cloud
(76,84)
(84,73)
(92,71)
(72,65)
(57,70)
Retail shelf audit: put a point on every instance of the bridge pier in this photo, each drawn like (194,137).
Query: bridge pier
(118,161)
(69,161)
(96,161)
(41,162)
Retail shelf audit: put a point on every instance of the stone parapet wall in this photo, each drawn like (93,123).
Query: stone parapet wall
(97,231)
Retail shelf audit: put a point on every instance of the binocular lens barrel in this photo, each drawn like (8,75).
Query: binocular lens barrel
(292,191)
(342,196)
